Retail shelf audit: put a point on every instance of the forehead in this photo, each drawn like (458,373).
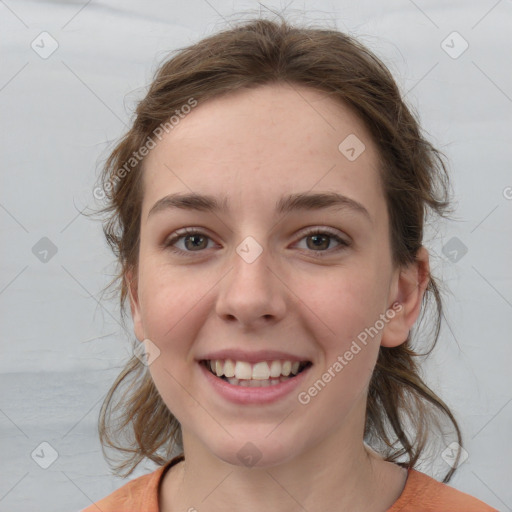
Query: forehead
(254,146)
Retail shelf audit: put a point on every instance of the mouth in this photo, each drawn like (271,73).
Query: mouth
(260,374)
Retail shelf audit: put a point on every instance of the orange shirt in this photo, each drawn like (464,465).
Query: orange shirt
(421,494)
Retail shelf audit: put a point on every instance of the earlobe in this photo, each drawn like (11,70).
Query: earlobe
(407,295)
(132,286)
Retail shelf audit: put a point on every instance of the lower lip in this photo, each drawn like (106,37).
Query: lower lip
(253,395)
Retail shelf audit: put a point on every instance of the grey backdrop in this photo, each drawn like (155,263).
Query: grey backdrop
(69,76)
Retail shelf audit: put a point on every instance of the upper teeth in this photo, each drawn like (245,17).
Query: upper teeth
(257,371)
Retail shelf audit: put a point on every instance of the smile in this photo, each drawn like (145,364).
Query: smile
(260,374)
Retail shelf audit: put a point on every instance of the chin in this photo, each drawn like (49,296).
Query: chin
(256,453)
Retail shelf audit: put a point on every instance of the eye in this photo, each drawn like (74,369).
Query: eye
(189,240)
(319,241)
(193,241)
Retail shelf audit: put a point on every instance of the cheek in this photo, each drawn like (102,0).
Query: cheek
(168,301)
(171,309)
(342,303)
(344,310)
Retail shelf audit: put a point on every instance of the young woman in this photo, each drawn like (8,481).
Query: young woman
(267,208)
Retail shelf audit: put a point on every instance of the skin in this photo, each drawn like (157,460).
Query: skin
(252,147)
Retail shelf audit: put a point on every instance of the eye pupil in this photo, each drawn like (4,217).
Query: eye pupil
(195,243)
(317,238)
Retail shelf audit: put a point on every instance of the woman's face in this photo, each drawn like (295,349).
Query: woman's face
(265,275)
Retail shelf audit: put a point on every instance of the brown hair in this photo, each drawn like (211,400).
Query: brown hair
(401,410)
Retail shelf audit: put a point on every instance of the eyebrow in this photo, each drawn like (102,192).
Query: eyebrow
(293,202)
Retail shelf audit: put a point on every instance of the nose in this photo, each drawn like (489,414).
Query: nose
(252,294)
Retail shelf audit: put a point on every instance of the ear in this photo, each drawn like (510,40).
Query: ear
(407,291)
(132,285)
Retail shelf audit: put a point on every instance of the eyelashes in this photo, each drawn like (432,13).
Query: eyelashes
(199,239)
(184,233)
(325,234)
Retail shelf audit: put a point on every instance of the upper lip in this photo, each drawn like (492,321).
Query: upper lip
(252,357)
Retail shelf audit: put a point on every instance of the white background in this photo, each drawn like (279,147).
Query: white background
(62,345)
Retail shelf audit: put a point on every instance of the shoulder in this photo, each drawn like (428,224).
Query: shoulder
(138,494)
(425,494)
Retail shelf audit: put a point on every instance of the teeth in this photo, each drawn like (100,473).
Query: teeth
(262,371)
(275,369)
(243,370)
(256,383)
(229,368)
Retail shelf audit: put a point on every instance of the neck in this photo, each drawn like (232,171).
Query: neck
(335,474)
